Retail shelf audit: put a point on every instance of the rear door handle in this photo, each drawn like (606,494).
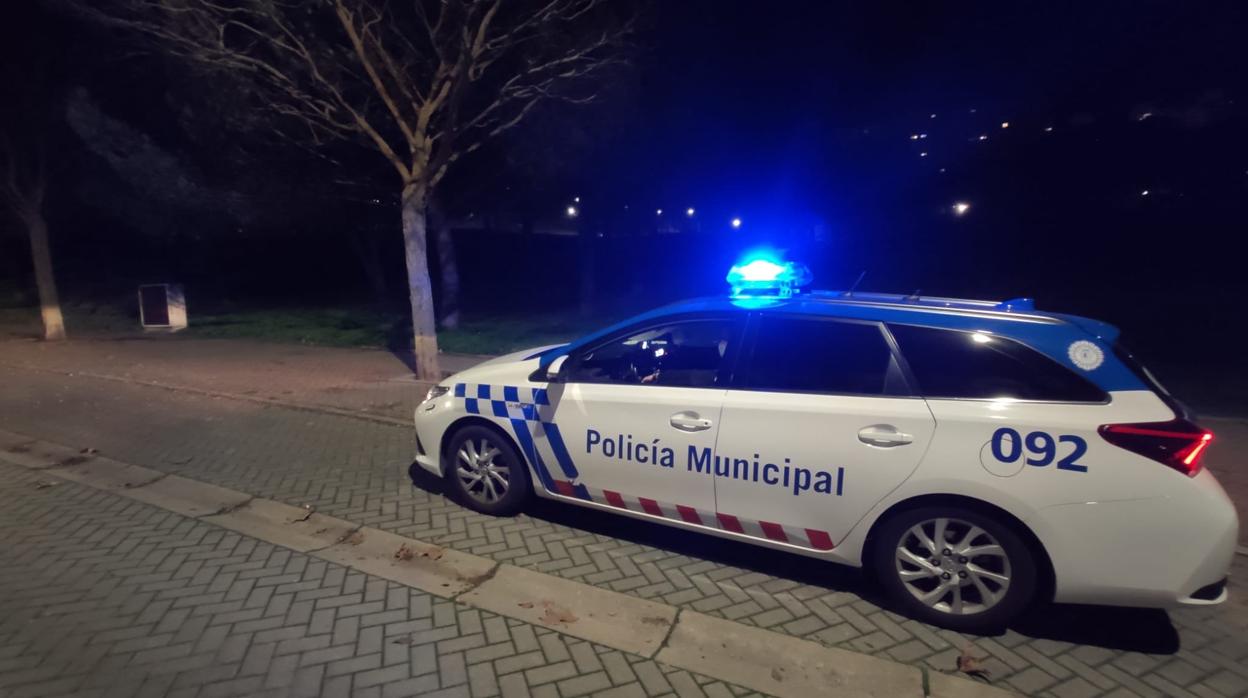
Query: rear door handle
(884,436)
(689,421)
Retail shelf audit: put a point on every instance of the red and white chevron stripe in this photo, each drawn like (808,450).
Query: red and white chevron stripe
(804,537)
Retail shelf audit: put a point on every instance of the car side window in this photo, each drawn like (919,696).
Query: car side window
(686,354)
(817,355)
(974,365)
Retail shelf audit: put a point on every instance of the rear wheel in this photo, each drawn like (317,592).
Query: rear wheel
(486,472)
(954,567)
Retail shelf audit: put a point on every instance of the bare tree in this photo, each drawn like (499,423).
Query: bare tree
(24,118)
(422,83)
(24,189)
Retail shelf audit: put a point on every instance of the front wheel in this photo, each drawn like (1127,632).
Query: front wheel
(486,472)
(954,567)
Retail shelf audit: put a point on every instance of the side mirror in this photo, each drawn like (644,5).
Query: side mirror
(555,368)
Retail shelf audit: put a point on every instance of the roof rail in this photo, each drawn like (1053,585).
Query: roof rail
(1020,304)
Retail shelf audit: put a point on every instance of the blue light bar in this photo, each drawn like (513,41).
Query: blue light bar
(766,277)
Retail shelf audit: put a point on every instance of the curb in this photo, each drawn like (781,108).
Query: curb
(758,659)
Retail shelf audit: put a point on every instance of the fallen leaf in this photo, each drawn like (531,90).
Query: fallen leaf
(308,509)
(434,553)
(556,615)
(776,674)
(355,538)
(404,553)
(969,664)
(525,604)
(88,451)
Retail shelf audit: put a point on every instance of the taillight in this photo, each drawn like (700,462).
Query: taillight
(1177,443)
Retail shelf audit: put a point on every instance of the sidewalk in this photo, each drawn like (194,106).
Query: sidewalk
(99,596)
(369,381)
(213,588)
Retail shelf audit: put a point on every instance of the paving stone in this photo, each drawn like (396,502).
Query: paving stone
(357,470)
(313,653)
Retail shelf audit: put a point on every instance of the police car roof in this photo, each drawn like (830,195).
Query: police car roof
(925,310)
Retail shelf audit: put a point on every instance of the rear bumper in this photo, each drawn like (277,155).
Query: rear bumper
(1160,552)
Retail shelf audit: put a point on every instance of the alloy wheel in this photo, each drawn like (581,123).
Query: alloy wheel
(953,566)
(484,476)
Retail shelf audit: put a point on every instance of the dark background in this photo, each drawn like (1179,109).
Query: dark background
(796,116)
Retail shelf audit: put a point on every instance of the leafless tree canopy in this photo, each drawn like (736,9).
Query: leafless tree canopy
(421,81)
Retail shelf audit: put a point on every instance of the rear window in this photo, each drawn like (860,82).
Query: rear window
(974,365)
(805,355)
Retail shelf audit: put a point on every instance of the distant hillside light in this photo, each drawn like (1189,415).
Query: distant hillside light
(1005,124)
(658,212)
(689,212)
(960,208)
(736,222)
(983,136)
(572,212)
(1144,193)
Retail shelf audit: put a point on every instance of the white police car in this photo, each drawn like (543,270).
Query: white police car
(973,454)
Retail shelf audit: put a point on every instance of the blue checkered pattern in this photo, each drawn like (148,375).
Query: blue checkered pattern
(503,402)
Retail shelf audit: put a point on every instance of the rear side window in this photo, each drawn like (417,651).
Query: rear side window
(821,356)
(952,364)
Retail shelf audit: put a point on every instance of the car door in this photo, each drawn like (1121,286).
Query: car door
(633,407)
(822,424)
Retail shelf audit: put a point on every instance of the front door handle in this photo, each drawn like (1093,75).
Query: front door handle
(884,436)
(689,421)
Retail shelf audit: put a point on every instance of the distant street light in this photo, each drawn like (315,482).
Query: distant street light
(1005,124)
(659,212)
(960,208)
(736,222)
(577,199)
(689,212)
(572,211)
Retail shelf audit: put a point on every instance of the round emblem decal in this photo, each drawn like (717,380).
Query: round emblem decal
(1085,354)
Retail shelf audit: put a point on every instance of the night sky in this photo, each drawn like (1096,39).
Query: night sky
(845,132)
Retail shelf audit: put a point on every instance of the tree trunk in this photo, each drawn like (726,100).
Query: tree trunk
(448,270)
(415,247)
(41,255)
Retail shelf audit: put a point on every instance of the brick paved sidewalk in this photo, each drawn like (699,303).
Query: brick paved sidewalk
(103,596)
(370,381)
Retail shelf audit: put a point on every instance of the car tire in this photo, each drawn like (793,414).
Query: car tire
(978,592)
(485,472)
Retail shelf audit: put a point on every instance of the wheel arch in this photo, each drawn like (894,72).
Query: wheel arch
(472,420)
(1046,581)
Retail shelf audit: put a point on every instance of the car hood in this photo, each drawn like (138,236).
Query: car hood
(508,369)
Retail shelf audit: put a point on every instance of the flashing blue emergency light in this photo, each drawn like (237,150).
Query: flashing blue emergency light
(764,277)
